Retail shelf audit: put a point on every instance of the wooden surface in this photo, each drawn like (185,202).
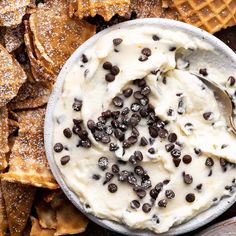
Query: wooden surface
(229,37)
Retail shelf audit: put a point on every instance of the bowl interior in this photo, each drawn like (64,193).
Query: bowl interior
(203,218)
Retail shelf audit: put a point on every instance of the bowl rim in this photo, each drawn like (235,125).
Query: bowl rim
(194,223)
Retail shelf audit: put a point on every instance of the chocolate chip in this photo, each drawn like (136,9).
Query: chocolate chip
(118,101)
(132,140)
(106,114)
(169,147)
(119,135)
(159,187)
(133,160)
(166,181)
(143,141)
(155,37)
(203,72)
(138,95)
(138,170)
(223,162)
(65,160)
(172,137)
(85,143)
(128,92)
(138,155)
(231,81)
(58,147)
(103,163)
(113,147)
(67,132)
(135,204)
(146,52)
(141,193)
(109,77)
(135,107)
(197,151)
(131,179)
(162,203)
(151,150)
(163,133)
(224,146)
(107,65)
(190,197)
(135,132)
(153,131)
(84,58)
(171,49)
(96,177)
(176,162)
(146,183)
(115,70)
(209,162)
(169,194)
(106,139)
(112,188)
(125,111)
(146,90)
(133,121)
(175,153)
(146,207)
(154,193)
(143,112)
(155,219)
(170,112)
(117,41)
(188,179)
(181,106)
(115,169)
(207,115)
(144,101)
(108,177)
(199,187)
(77,105)
(187,159)
(210,173)
(143,58)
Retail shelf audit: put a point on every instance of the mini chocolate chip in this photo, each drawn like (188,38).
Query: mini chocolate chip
(188,179)
(140,82)
(77,105)
(163,133)
(199,187)
(170,112)
(154,193)
(106,139)
(143,112)
(151,150)
(138,170)
(133,160)
(107,65)
(190,197)
(67,132)
(115,114)
(58,147)
(223,162)
(115,169)
(117,41)
(144,101)
(153,131)
(113,147)
(131,179)
(125,111)
(115,70)
(137,95)
(85,143)
(109,77)
(146,183)
(146,90)
(108,177)
(115,123)
(172,137)
(135,107)
(128,92)
(119,135)
(84,58)
(166,181)
(141,193)
(106,114)
(146,207)
(138,155)
(135,204)
(159,187)
(187,159)
(169,147)
(228,188)
(135,132)
(96,177)
(203,72)
(123,127)
(146,52)
(164,81)
(112,188)
(209,162)
(118,101)
(231,81)
(132,140)
(207,115)
(155,37)
(171,49)
(155,219)
(224,146)
(162,203)
(103,163)
(210,173)
(133,121)
(65,160)
(198,151)
(169,194)
(176,161)
(143,141)
(175,153)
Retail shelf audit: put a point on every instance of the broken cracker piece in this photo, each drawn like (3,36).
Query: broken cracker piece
(36,230)
(18,200)
(28,163)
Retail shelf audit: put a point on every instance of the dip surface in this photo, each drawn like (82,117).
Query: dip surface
(139,139)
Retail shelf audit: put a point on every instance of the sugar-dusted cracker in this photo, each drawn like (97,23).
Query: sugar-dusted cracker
(12,12)
(4,133)
(106,8)
(18,200)
(30,95)
(14,38)
(28,163)
(3,215)
(12,76)
(36,230)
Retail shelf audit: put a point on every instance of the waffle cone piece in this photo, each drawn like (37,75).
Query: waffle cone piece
(37,230)
(28,163)
(105,8)
(18,199)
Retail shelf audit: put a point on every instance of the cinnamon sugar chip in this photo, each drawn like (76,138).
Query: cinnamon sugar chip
(12,76)
(30,95)
(28,163)
(106,8)
(36,230)
(51,37)
(4,133)
(18,200)
(12,12)
(3,216)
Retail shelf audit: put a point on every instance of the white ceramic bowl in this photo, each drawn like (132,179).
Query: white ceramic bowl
(198,221)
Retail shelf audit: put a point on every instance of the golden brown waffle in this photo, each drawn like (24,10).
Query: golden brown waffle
(3,216)
(28,163)
(18,200)
(105,8)
(4,132)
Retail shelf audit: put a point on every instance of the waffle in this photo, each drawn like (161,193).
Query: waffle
(3,216)
(18,199)
(4,132)
(105,8)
